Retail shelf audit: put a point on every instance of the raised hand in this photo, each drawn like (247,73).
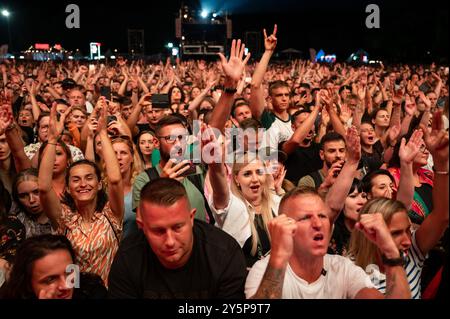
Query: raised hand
(394,132)
(410,106)
(408,151)
(55,125)
(270,42)
(234,67)
(282,231)
(353,143)
(437,140)
(6,115)
(375,229)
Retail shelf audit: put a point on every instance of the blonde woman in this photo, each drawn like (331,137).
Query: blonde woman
(414,244)
(130,167)
(244,208)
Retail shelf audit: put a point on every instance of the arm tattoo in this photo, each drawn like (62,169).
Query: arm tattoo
(271,285)
(390,285)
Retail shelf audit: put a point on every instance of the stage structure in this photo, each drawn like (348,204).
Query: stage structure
(202,34)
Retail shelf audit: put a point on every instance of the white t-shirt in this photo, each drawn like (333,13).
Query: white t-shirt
(343,280)
(234,219)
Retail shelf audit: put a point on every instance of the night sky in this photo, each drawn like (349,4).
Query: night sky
(408,30)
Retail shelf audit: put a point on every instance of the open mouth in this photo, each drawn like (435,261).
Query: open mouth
(84,191)
(254,188)
(318,237)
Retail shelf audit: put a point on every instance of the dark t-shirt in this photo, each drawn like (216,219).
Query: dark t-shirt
(216,269)
(302,161)
(341,237)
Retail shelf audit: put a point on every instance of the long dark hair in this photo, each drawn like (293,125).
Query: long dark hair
(102,197)
(5,202)
(19,284)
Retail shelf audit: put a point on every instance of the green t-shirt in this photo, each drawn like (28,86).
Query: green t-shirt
(195,197)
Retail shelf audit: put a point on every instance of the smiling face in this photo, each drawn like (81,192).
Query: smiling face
(79,118)
(382,186)
(49,276)
(83,183)
(313,225)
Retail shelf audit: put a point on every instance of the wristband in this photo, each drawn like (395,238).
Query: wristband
(441,172)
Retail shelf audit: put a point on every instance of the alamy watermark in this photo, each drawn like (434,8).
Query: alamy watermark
(73,19)
(373,19)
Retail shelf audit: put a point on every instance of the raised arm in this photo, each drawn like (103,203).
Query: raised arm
(435,224)
(407,153)
(375,229)
(115,183)
(282,231)
(11,131)
(410,111)
(334,117)
(336,195)
(49,199)
(257,102)
(302,131)
(233,70)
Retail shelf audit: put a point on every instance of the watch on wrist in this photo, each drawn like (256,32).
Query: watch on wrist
(400,261)
(230,90)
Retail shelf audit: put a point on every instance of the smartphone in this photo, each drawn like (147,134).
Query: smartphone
(160,100)
(192,170)
(91,68)
(106,92)
(111,118)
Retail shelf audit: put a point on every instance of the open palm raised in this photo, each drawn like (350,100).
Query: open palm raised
(234,67)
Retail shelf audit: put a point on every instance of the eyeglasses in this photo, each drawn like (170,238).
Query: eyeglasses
(170,139)
(423,148)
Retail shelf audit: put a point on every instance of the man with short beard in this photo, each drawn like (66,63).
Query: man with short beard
(332,152)
(172,140)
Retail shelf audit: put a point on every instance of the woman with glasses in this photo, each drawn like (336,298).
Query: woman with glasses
(88,217)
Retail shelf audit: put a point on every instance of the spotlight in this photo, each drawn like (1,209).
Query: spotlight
(204,14)
(214,15)
(185,16)
(170,45)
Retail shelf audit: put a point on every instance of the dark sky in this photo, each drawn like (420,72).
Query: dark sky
(408,30)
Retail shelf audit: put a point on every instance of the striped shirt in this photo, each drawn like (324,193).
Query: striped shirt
(96,246)
(413,268)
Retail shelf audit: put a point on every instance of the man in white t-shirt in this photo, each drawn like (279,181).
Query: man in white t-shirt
(299,267)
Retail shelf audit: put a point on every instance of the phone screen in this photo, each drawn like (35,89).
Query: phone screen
(192,170)
(106,92)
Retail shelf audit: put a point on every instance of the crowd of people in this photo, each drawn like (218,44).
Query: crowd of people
(227,179)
